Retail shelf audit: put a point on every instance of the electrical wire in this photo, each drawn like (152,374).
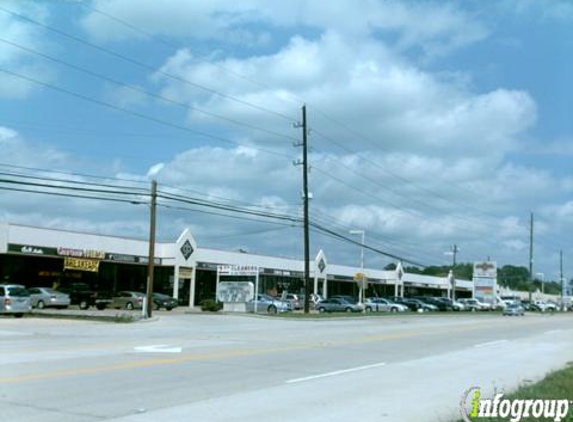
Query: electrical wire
(137,114)
(145,92)
(144,65)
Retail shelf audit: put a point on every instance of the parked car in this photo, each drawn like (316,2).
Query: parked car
(541,306)
(163,301)
(456,306)
(44,297)
(475,305)
(297,302)
(268,304)
(14,300)
(378,304)
(313,299)
(347,298)
(80,294)
(440,304)
(418,305)
(514,309)
(337,304)
(127,300)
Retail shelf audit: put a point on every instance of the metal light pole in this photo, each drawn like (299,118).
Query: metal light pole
(363,234)
(454,253)
(542,282)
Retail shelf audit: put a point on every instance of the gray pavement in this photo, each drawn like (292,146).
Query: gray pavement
(222,367)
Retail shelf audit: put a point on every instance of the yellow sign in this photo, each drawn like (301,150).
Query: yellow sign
(81,264)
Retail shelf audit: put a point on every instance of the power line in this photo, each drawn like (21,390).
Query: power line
(354,242)
(145,92)
(69,195)
(76,182)
(164,42)
(70,173)
(137,114)
(144,65)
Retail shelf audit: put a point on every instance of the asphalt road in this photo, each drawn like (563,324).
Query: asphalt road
(242,368)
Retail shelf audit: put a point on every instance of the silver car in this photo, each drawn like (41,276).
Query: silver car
(127,300)
(378,304)
(14,300)
(44,297)
(338,305)
(268,305)
(514,309)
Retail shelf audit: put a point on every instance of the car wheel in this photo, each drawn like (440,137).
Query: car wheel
(100,306)
(321,310)
(348,310)
(156,306)
(18,315)
(40,304)
(272,309)
(84,304)
(367,309)
(393,309)
(129,306)
(168,308)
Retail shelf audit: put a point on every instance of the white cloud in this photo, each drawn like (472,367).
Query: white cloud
(393,103)
(17,151)
(435,27)
(16,60)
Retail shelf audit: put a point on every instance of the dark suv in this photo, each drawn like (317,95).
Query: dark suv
(81,295)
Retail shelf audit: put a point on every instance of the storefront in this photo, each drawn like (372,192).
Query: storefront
(35,257)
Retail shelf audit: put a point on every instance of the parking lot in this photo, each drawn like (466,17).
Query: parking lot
(182,367)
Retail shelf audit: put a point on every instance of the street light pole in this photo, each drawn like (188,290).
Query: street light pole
(454,253)
(363,234)
(542,282)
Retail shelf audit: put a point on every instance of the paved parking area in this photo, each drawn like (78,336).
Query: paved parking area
(184,367)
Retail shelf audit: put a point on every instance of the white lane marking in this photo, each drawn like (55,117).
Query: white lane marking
(158,348)
(331,374)
(490,343)
(553,331)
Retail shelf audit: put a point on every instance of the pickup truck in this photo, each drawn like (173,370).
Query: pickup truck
(81,295)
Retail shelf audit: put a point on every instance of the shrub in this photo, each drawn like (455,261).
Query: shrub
(210,305)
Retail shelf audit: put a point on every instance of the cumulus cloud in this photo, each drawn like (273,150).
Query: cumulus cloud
(395,104)
(435,27)
(17,61)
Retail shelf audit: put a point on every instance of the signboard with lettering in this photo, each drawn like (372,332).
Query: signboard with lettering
(81,253)
(485,281)
(235,292)
(238,270)
(30,249)
(81,264)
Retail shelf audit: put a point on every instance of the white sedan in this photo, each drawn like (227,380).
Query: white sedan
(378,304)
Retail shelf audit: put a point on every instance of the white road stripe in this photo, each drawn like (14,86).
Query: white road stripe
(491,343)
(331,374)
(158,348)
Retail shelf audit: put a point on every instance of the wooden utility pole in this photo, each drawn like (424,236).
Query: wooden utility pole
(306,222)
(151,264)
(306,219)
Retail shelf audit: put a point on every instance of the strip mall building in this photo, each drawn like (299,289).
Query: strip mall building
(35,256)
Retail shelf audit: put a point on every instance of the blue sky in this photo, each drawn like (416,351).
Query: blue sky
(453,119)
